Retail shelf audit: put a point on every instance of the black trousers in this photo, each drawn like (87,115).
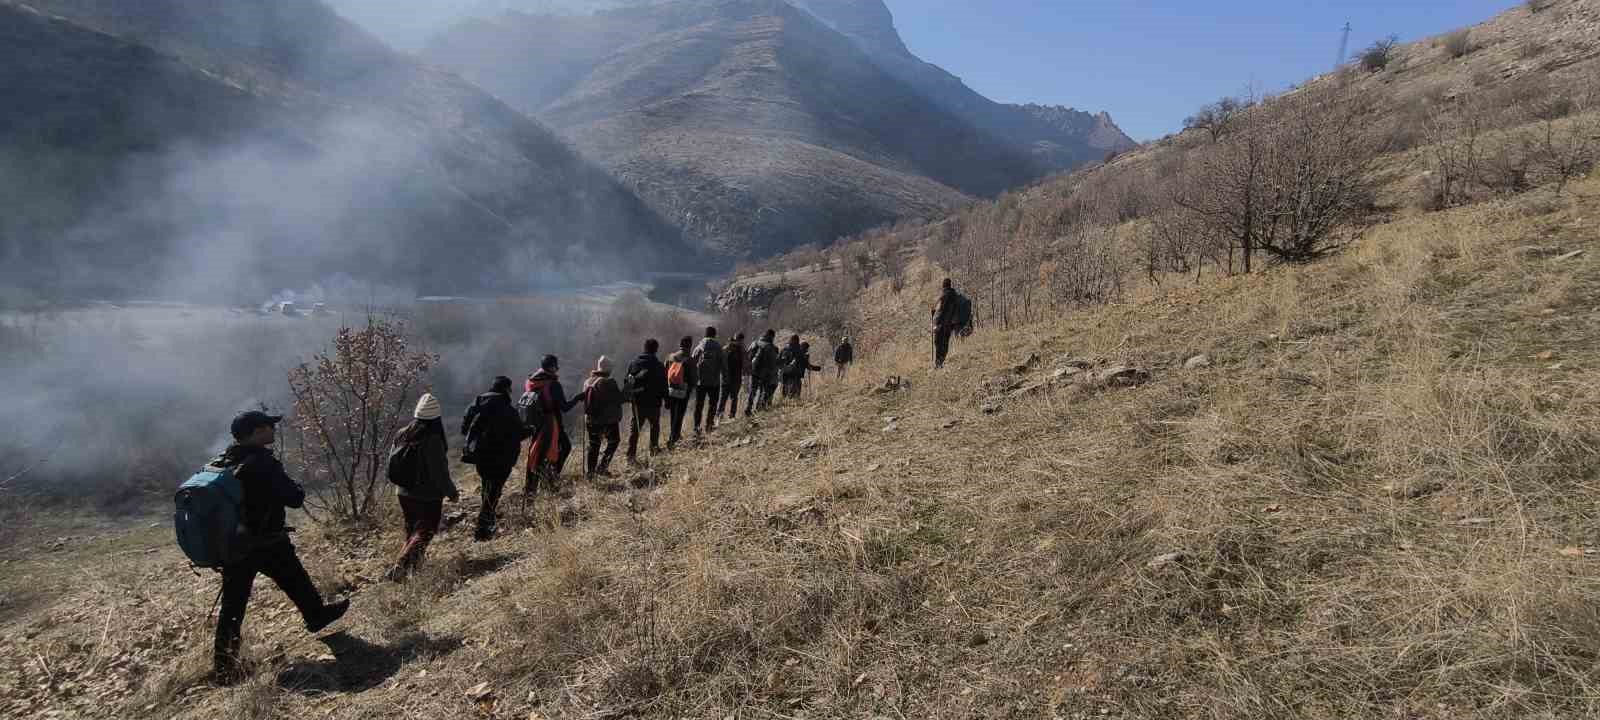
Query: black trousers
(677,407)
(644,415)
(612,435)
(277,561)
(941,346)
(730,400)
(705,407)
(493,481)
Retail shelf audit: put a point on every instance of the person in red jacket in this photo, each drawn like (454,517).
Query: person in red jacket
(548,452)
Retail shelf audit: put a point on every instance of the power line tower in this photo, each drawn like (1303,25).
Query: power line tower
(1344,47)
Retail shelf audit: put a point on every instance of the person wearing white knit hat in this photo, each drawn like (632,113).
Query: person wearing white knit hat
(418,465)
(427,408)
(602,414)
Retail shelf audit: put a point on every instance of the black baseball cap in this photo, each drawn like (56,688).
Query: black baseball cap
(246,423)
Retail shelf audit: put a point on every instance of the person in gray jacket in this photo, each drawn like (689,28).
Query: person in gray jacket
(422,502)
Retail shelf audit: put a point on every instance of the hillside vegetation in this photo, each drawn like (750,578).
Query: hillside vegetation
(1355,484)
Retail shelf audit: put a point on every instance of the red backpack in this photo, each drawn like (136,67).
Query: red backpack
(678,380)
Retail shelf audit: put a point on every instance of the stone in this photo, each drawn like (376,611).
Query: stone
(1123,376)
(1197,362)
(1028,364)
(1168,559)
(1545,356)
(1067,361)
(1063,374)
(991,405)
(1569,256)
(891,428)
(1412,491)
(1029,389)
(810,443)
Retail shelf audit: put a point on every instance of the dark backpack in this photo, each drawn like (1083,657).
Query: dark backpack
(963,314)
(405,463)
(764,359)
(711,361)
(207,517)
(792,363)
(531,411)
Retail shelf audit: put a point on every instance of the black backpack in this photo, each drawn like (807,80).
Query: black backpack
(963,314)
(405,463)
(710,360)
(531,411)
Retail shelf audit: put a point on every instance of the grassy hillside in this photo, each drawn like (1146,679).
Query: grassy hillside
(1356,487)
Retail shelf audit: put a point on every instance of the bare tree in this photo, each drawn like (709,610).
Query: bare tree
(349,400)
(1220,117)
(1319,171)
(1377,56)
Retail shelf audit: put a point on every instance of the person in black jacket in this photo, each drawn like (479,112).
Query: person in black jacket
(649,382)
(733,370)
(495,433)
(805,367)
(843,356)
(422,502)
(268,492)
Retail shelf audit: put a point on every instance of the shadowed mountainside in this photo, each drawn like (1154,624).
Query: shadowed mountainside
(246,146)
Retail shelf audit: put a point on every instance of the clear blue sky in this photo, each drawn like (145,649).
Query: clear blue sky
(1152,62)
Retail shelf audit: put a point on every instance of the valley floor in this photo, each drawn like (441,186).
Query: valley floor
(1374,498)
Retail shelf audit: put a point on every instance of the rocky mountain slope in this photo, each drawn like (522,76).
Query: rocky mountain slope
(227,149)
(1059,138)
(755,124)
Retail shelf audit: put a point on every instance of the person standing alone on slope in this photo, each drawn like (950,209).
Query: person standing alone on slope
(843,356)
(268,492)
(947,321)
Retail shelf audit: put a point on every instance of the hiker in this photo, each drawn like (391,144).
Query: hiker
(680,381)
(805,364)
(647,384)
(842,357)
(602,413)
(790,364)
(268,492)
(708,369)
(763,361)
(733,371)
(947,320)
(422,501)
(545,403)
(494,434)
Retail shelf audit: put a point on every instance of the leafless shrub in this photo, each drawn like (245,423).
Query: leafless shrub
(1379,54)
(1459,43)
(1538,6)
(1532,48)
(1220,117)
(349,400)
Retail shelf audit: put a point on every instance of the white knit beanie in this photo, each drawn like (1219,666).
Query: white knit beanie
(604,366)
(427,408)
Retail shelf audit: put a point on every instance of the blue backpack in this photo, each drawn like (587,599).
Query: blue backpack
(208,520)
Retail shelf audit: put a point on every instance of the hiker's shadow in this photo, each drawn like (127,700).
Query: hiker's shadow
(359,665)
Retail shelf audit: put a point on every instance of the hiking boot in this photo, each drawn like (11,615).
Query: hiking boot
(330,614)
(483,535)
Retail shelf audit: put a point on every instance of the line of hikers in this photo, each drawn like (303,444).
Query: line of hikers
(231,516)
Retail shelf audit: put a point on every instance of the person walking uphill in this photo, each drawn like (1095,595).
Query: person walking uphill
(494,435)
(805,367)
(709,365)
(646,383)
(268,492)
(680,383)
(545,405)
(602,409)
(419,459)
(764,372)
(842,357)
(733,370)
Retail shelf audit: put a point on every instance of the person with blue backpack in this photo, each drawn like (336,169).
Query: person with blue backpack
(261,545)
